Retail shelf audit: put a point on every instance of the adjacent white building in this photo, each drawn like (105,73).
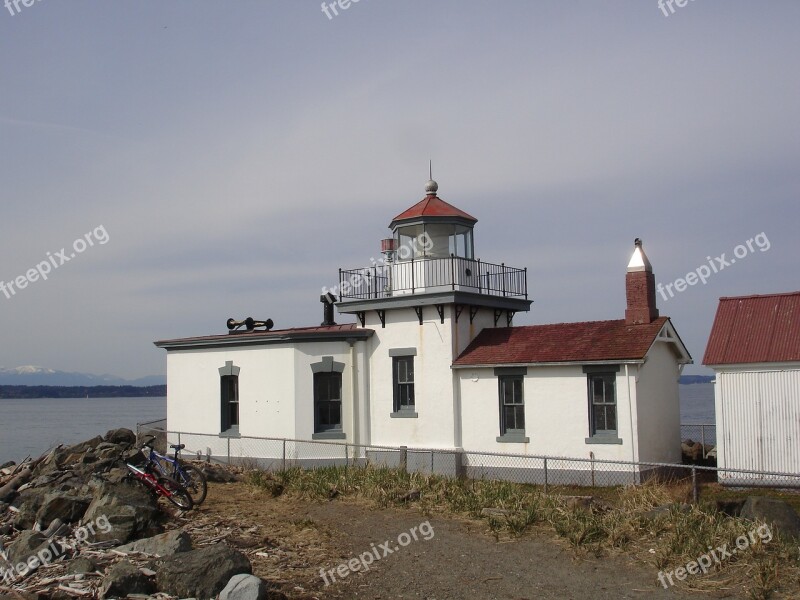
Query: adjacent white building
(434,361)
(754,348)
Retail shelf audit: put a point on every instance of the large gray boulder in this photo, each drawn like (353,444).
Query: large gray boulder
(202,573)
(130,509)
(123,579)
(27,544)
(121,436)
(165,544)
(28,503)
(774,512)
(245,587)
(61,505)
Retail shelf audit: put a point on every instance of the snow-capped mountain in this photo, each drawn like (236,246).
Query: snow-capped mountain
(34,375)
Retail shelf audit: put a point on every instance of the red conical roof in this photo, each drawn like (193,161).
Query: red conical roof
(432,206)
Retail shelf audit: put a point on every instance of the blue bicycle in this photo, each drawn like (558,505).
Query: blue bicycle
(188,476)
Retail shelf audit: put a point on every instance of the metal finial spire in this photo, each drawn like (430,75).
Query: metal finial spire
(430,170)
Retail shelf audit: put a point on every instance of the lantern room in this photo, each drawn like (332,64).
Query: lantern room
(431,253)
(432,229)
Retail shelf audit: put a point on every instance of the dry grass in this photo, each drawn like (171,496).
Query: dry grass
(618,522)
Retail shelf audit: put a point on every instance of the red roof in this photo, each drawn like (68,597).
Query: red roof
(562,342)
(433,206)
(755,329)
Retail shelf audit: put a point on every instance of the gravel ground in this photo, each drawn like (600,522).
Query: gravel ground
(462,559)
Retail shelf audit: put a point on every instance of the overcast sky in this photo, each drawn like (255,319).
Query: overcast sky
(238,153)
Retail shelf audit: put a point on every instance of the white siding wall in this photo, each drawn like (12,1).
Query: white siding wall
(433,383)
(658,407)
(758,419)
(275,389)
(556,414)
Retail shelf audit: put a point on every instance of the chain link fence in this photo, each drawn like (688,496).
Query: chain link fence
(276,454)
(704,434)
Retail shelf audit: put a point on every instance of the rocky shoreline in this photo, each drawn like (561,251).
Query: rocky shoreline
(73,526)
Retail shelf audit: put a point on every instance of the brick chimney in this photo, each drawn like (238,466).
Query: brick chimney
(640,288)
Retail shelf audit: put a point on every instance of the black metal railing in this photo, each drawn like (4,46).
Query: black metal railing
(432,275)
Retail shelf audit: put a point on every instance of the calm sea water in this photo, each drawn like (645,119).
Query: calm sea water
(33,426)
(30,427)
(697,403)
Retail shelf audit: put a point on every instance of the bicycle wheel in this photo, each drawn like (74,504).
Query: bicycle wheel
(194,481)
(177,493)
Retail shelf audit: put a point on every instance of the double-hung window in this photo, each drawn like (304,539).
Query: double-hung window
(404,400)
(327,402)
(327,399)
(602,388)
(511,387)
(229,398)
(403,369)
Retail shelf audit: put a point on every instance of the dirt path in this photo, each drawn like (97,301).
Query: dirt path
(461,559)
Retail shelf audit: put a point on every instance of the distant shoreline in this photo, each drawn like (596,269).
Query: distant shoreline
(23,392)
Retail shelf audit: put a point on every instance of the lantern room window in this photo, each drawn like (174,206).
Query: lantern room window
(433,240)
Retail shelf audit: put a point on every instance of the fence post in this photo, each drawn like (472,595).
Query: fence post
(283,460)
(229,450)
(179,438)
(695,490)
(545,474)
(591,457)
(346,456)
(404,458)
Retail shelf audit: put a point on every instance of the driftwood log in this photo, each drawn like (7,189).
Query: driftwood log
(8,489)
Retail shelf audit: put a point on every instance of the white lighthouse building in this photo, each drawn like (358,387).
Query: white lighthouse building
(433,361)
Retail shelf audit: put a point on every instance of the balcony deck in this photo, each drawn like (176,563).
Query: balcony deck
(432,275)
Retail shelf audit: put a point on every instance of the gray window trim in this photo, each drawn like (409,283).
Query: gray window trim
(505,371)
(327,365)
(404,414)
(229,369)
(513,438)
(603,439)
(402,351)
(329,435)
(233,432)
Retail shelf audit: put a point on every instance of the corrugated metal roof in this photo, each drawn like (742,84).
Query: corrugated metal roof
(562,342)
(755,329)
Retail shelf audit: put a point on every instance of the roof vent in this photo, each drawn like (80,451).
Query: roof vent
(250,324)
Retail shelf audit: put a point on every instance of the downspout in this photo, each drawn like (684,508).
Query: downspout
(354,388)
(630,414)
